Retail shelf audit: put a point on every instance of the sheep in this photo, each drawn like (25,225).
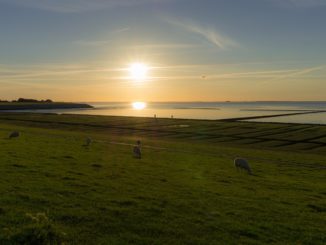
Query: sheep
(137,150)
(241,163)
(14,134)
(88,141)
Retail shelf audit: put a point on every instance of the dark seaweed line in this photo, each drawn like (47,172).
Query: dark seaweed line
(269,116)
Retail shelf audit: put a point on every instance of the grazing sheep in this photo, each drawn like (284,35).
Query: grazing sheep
(137,150)
(241,163)
(14,134)
(88,141)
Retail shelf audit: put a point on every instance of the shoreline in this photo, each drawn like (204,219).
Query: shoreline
(92,110)
(227,120)
(238,119)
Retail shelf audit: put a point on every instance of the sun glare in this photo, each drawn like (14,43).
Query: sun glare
(138,71)
(139,105)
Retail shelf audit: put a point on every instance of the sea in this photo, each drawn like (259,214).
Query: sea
(209,110)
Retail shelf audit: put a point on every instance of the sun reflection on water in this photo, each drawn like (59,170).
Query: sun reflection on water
(139,105)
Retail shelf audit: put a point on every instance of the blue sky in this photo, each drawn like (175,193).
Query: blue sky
(209,50)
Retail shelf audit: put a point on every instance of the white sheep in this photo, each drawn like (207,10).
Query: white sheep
(241,163)
(14,134)
(137,150)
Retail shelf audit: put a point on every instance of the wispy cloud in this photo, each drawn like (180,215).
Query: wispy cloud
(120,30)
(91,43)
(98,43)
(50,71)
(165,46)
(34,75)
(300,3)
(308,3)
(258,75)
(301,72)
(70,6)
(213,36)
(233,75)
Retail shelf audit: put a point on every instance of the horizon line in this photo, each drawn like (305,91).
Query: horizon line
(199,101)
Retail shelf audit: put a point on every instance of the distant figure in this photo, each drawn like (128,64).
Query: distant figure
(137,150)
(155,116)
(14,134)
(172,116)
(88,141)
(241,163)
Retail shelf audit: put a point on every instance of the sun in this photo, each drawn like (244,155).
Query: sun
(139,105)
(138,71)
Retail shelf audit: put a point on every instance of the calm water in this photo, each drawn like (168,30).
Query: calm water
(210,110)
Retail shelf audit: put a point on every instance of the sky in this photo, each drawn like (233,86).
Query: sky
(207,50)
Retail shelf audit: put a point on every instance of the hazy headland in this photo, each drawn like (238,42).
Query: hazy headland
(32,104)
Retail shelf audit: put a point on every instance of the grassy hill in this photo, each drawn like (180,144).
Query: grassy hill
(185,189)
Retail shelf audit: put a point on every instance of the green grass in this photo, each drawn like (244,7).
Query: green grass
(185,189)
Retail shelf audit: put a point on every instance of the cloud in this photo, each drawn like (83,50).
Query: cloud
(308,3)
(300,72)
(71,6)
(90,43)
(39,74)
(165,46)
(274,74)
(260,75)
(300,3)
(48,71)
(214,37)
(98,43)
(234,75)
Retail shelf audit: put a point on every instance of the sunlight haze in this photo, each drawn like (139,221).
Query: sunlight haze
(167,50)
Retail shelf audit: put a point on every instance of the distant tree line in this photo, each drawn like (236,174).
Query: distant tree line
(27,100)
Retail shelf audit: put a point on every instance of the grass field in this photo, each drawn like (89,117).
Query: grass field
(185,189)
